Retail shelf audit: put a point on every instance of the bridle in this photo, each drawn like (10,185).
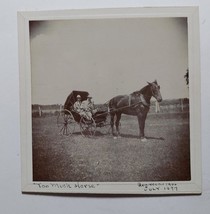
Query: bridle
(142,97)
(152,90)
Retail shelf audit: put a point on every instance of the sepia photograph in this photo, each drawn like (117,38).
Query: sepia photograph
(111,103)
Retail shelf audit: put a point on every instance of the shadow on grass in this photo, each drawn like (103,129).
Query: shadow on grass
(100,134)
(97,134)
(156,138)
(137,136)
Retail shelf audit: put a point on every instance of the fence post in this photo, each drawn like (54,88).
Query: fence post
(40,111)
(182,106)
(157,106)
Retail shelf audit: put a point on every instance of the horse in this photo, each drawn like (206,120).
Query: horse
(135,104)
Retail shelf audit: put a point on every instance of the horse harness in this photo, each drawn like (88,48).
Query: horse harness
(142,101)
(130,105)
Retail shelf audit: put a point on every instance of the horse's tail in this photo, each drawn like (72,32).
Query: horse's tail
(110,103)
(107,103)
(111,106)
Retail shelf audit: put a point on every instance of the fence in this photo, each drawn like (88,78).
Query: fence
(166,106)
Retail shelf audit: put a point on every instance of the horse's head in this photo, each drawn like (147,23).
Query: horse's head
(155,90)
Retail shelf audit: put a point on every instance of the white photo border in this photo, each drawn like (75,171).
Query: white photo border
(164,187)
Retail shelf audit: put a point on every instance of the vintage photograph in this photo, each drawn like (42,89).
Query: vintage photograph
(110,100)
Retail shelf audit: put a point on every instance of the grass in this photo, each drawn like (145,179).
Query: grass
(164,157)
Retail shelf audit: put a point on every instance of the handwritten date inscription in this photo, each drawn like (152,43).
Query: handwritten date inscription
(158,187)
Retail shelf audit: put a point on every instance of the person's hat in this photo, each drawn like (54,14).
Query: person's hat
(78,96)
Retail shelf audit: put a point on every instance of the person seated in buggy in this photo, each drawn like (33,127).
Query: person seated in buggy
(87,108)
(77,104)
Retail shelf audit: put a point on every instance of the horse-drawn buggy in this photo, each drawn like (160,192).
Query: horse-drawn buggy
(69,118)
(134,104)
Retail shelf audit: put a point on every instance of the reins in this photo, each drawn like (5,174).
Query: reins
(129,101)
(128,106)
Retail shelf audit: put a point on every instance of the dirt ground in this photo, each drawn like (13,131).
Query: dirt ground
(164,157)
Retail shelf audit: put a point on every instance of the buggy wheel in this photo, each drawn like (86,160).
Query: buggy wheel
(65,123)
(87,127)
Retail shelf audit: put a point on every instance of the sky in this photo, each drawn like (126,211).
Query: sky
(107,57)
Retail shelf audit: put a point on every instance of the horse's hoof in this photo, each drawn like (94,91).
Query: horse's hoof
(143,139)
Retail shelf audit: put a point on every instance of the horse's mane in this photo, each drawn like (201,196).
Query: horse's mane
(141,91)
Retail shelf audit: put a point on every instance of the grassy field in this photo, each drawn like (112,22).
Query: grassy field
(164,157)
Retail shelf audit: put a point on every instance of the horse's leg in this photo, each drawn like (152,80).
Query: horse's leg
(112,122)
(117,123)
(141,121)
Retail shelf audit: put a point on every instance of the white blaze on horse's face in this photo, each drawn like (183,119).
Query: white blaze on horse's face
(155,89)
